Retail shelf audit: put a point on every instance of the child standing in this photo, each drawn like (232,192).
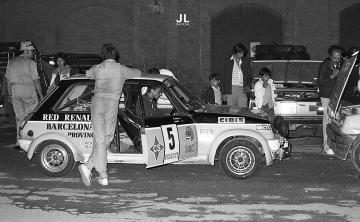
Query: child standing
(212,94)
(265,93)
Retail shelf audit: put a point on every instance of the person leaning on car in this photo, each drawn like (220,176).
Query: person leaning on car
(328,72)
(109,80)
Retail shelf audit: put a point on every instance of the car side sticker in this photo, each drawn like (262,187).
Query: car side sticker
(156,148)
(67,117)
(171,142)
(231,120)
(263,127)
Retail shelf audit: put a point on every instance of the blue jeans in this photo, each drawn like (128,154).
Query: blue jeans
(104,110)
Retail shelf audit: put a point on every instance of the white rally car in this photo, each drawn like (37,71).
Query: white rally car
(58,133)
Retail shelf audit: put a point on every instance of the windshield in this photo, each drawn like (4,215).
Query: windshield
(191,102)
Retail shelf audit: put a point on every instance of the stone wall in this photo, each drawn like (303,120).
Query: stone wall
(145,40)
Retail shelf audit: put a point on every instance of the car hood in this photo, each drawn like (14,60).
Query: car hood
(289,71)
(224,110)
(341,82)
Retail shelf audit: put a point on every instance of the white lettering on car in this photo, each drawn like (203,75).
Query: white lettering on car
(77,117)
(263,127)
(51,117)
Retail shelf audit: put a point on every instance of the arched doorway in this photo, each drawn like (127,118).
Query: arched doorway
(242,23)
(350,26)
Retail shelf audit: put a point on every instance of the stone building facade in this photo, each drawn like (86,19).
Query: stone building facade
(145,40)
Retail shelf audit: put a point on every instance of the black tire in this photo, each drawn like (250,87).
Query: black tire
(355,157)
(240,158)
(54,158)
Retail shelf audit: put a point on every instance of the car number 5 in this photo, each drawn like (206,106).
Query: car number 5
(171,142)
(171,138)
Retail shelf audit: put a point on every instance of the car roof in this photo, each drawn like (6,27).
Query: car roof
(157,77)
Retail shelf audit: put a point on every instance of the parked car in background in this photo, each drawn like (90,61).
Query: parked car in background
(343,131)
(297,101)
(58,133)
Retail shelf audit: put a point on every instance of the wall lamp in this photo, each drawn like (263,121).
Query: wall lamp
(156,8)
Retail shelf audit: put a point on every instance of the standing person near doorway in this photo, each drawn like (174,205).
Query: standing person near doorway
(328,73)
(237,77)
(23,84)
(109,80)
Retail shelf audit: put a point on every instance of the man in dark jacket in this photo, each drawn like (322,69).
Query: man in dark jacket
(328,72)
(237,76)
(212,94)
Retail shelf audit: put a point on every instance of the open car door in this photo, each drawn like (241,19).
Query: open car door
(169,143)
(168,136)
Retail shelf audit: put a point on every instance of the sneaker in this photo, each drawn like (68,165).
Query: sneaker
(85,174)
(328,151)
(103,181)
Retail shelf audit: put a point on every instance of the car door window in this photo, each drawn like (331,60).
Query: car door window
(77,98)
(148,106)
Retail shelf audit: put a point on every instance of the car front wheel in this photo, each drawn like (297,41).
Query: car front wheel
(240,159)
(54,158)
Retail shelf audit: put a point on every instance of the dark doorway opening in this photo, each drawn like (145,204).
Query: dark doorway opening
(350,26)
(242,23)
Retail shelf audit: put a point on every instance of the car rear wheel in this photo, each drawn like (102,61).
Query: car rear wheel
(240,159)
(355,157)
(54,158)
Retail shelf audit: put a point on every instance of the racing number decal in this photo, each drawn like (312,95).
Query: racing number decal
(171,142)
(171,138)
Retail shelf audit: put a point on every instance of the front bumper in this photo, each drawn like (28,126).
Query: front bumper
(279,148)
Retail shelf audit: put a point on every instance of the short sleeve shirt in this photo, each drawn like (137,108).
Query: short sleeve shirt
(21,70)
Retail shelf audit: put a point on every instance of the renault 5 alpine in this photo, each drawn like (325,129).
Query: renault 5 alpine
(58,133)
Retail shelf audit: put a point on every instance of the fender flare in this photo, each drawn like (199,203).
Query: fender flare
(53,136)
(238,133)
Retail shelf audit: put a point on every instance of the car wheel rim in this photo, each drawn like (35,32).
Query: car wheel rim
(240,160)
(54,158)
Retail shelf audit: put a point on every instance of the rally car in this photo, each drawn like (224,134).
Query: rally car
(297,99)
(58,133)
(343,131)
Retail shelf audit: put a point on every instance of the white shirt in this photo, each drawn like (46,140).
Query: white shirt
(217,95)
(259,91)
(237,74)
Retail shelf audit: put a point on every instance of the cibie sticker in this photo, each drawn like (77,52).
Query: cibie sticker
(263,127)
(231,120)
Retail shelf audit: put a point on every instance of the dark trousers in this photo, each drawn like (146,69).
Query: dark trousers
(269,111)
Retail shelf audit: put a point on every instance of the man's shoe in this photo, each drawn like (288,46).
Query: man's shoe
(328,151)
(103,181)
(85,174)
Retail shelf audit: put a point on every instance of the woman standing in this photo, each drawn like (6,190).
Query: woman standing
(61,71)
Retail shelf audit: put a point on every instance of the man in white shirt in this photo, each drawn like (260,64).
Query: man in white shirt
(240,79)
